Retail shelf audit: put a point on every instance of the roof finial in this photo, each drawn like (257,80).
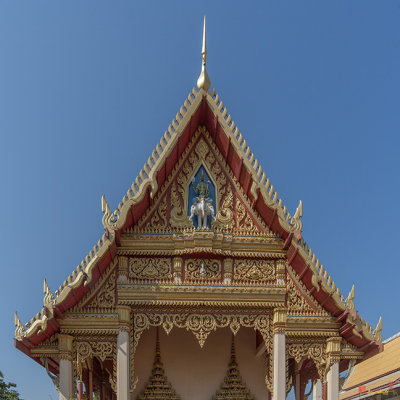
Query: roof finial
(204,80)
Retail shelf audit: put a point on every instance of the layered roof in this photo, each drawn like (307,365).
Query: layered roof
(201,108)
(376,374)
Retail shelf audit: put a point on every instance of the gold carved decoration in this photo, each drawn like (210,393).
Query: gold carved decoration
(158,387)
(102,295)
(201,148)
(201,325)
(150,268)
(296,297)
(244,222)
(99,349)
(202,269)
(218,174)
(314,351)
(296,303)
(254,270)
(233,387)
(178,218)
(202,151)
(105,298)
(269,345)
(159,219)
(225,214)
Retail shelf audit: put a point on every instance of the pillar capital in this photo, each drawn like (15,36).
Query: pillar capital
(124,317)
(228,270)
(333,347)
(177,262)
(123,269)
(281,271)
(65,346)
(279,320)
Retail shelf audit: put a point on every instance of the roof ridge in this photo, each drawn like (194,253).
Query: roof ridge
(395,336)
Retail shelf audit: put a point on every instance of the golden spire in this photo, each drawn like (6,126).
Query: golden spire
(204,80)
(158,387)
(233,386)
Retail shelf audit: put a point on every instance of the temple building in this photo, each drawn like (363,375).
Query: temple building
(377,377)
(202,285)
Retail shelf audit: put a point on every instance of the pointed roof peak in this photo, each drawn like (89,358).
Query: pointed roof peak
(204,81)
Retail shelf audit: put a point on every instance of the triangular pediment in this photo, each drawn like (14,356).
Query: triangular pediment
(101,296)
(171,208)
(201,110)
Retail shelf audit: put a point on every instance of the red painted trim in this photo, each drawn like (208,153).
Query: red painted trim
(306,267)
(292,257)
(118,237)
(288,241)
(364,348)
(326,299)
(58,312)
(274,214)
(347,329)
(342,316)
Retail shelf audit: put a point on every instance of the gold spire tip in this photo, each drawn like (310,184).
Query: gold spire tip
(204,80)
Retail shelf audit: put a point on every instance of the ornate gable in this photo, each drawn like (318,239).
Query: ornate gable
(170,211)
(102,296)
(202,165)
(299,299)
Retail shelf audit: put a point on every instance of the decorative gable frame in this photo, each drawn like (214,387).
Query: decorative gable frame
(201,108)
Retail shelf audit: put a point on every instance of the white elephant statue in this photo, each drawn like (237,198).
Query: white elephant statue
(202,208)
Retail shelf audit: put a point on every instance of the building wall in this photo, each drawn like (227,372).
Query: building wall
(197,373)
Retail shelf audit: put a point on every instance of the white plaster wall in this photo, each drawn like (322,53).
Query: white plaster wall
(197,373)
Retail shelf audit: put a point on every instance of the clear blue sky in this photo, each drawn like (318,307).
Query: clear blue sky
(88,88)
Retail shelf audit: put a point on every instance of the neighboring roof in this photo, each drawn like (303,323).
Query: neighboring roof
(376,373)
(200,108)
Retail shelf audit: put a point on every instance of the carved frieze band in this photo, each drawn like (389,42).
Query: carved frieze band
(150,268)
(314,351)
(206,269)
(201,325)
(254,270)
(101,350)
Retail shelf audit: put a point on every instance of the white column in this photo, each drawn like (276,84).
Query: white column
(123,360)
(317,390)
(65,379)
(333,382)
(123,365)
(279,366)
(65,366)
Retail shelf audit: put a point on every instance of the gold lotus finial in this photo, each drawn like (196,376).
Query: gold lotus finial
(204,80)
